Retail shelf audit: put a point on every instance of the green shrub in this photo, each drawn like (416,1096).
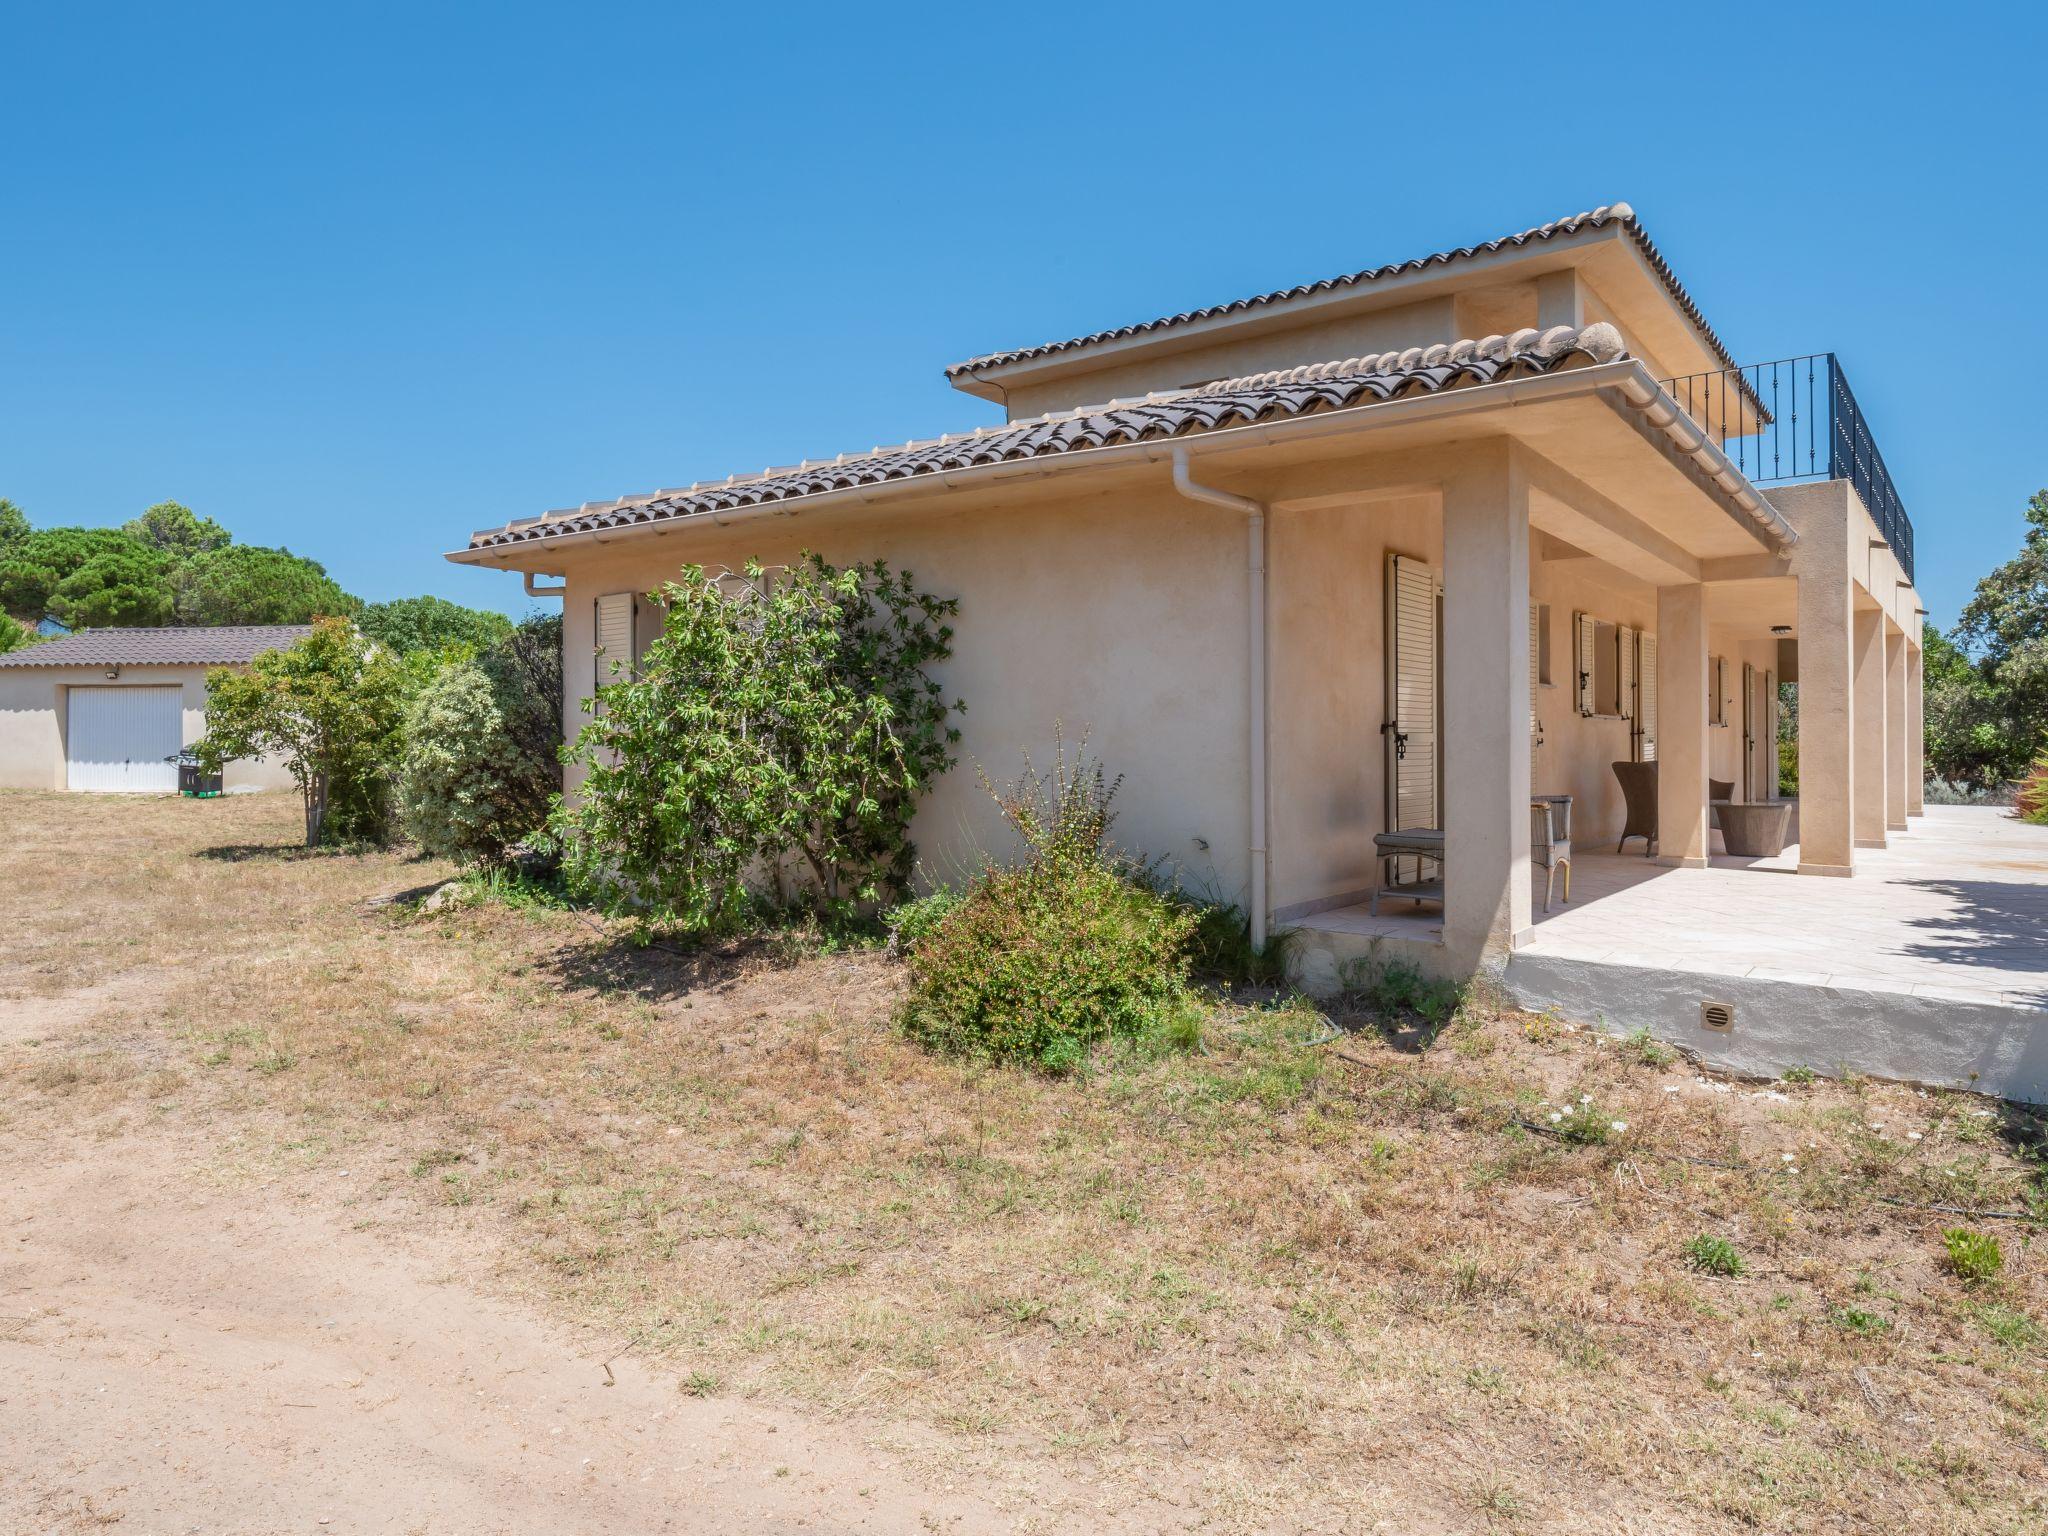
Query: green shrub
(466,790)
(776,733)
(1220,945)
(1712,1255)
(915,921)
(1038,963)
(330,708)
(1974,1256)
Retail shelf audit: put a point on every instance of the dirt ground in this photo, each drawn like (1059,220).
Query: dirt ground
(324,1214)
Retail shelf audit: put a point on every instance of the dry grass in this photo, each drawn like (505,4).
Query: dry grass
(1285,1284)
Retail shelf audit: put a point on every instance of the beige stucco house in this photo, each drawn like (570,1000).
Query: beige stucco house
(104,710)
(1402,549)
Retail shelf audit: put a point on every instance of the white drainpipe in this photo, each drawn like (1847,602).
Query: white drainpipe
(1255,519)
(533,591)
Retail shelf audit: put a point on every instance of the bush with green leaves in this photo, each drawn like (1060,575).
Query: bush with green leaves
(771,744)
(330,709)
(478,778)
(411,624)
(1038,962)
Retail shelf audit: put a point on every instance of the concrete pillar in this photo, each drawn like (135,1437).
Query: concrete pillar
(1682,724)
(1916,734)
(1486,709)
(1866,650)
(1897,748)
(1827,768)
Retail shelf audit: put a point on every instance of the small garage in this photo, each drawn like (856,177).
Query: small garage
(106,711)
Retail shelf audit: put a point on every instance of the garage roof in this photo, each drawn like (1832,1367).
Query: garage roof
(203,647)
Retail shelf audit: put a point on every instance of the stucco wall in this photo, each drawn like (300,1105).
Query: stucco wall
(33,703)
(1122,617)
(1578,752)
(1327,607)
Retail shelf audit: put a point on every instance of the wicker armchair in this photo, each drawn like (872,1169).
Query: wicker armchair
(1720,789)
(1639,790)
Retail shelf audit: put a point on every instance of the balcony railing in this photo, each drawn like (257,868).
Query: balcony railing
(1797,419)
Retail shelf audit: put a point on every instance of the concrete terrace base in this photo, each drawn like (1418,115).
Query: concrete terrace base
(1929,965)
(1991,1047)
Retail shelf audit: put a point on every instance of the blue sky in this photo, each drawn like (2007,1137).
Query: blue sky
(358,279)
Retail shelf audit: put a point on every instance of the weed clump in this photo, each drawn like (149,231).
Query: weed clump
(1038,962)
(1974,1256)
(1711,1255)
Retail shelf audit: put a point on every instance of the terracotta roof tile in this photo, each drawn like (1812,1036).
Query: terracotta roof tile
(219,646)
(1596,218)
(1292,392)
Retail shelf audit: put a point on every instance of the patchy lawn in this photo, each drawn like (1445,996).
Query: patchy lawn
(1303,1279)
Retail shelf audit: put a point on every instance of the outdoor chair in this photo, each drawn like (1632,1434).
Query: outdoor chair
(1720,789)
(1550,841)
(1639,791)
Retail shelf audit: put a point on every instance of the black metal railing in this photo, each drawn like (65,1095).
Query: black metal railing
(1797,419)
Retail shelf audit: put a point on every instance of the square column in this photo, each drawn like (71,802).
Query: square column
(1486,709)
(1827,768)
(1867,687)
(1916,733)
(1897,750)
(1682,725)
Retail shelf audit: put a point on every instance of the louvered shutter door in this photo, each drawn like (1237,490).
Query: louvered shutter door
(1584,631)
(1625,672)
(1412,663)
(1535,670)
(614,636)
(1769,745)
(1646,698)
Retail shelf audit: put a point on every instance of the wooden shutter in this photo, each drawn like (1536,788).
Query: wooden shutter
(1410,729)
(1535,671)
(1770,741)
(1625,672)
(1584,637)
(1646,698)
(614,636)
(1749,714)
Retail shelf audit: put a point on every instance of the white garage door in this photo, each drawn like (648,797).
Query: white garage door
(118,739)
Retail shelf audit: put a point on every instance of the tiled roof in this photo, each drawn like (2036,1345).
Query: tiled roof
(1597,218)
(219,646)
(1292,392)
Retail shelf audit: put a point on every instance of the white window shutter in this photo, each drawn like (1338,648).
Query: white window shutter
(1583,641)
(1535,671)
(614,636)
(1646,698)
(1412,693)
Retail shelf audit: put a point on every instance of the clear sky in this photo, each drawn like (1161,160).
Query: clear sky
(358,279)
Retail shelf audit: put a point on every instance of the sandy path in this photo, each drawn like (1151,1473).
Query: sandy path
(174,1359)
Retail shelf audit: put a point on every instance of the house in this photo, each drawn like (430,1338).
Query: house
(108,709)
(1398,550)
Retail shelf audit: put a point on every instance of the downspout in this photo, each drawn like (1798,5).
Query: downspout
(1255,646)
(533,591)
